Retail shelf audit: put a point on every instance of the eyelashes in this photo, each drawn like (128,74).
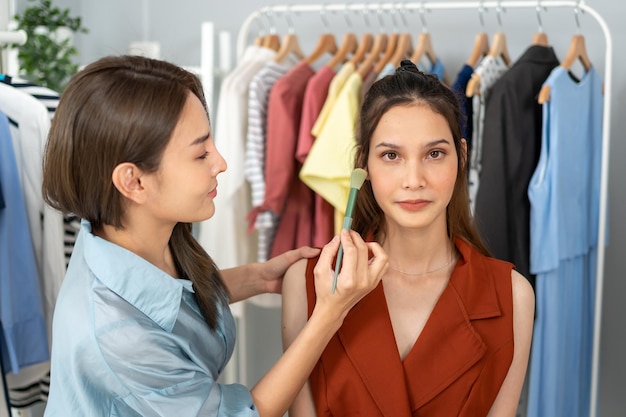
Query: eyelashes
(393,155)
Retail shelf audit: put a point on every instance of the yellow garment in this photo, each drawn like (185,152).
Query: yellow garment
(334,88)
(329,165)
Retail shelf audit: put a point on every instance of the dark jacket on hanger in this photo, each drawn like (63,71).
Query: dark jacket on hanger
(511,146)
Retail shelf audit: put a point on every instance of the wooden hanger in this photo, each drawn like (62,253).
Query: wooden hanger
(364,47)
(392,41)
(540,39)
(424,47)
(499,48)
(403,50)
(289,45)
(379,45)
(271,41)
(481,49)
(348,46)
(577,52)
(325,44)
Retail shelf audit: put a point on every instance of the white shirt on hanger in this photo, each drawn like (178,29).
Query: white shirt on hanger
(225,236)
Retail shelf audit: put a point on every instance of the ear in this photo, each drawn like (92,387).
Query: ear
(127,179)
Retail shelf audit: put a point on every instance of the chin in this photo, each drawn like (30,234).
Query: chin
(201,215)
(207,217)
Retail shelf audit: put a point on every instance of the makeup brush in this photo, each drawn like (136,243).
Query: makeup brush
(357,178)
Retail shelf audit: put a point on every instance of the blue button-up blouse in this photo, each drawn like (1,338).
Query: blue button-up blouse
(129,340)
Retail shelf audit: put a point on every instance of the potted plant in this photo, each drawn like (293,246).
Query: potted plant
(46,57)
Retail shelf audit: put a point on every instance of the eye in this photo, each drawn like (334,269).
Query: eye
(204,155)
(390,155)
(436,154)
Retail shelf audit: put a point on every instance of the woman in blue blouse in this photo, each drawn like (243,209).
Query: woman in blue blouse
(142,325)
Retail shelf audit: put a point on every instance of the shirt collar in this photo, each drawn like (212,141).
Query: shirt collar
(140,283)
(539,54)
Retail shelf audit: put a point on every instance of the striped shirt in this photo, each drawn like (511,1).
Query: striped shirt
(254,165)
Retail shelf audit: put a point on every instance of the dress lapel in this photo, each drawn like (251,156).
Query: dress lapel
(449,345)
(384,378)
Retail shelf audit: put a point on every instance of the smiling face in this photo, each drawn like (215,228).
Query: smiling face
(184,186)
(412,166)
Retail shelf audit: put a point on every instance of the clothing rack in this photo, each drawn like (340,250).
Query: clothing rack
(17,37)
(576,6)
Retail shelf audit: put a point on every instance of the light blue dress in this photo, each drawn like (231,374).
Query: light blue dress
(564,197)
(129,340)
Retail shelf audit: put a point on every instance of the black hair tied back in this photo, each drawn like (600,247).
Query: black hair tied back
(408,66)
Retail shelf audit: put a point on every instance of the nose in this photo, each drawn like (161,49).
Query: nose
(219,164)
(412,176)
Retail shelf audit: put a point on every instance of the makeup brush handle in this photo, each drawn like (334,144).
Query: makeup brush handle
(347,224)
(337,265)
(351,202)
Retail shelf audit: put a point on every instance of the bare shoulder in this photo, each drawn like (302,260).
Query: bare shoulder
(295,280)
(294,302)
(523,294)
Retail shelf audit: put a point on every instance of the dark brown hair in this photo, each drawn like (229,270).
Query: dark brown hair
(406,87)
(124,109)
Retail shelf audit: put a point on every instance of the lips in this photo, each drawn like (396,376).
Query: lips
(413,204)
(213,193)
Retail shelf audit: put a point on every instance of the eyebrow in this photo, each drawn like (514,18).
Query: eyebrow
(201,139)
(428,145)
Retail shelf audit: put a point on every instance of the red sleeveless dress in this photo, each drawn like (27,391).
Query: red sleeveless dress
(455,368)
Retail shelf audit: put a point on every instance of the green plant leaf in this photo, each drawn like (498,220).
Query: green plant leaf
(42,59)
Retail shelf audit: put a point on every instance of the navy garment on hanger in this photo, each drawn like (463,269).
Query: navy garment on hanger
(459,87)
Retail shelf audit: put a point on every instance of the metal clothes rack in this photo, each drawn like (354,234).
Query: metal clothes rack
(17,37)
(245,30)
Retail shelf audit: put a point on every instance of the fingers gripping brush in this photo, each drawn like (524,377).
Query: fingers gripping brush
(357,178)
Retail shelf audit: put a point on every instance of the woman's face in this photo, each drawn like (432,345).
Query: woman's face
(412,166)
(184,186)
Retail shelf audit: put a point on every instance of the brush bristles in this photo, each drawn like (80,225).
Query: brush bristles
(357,178)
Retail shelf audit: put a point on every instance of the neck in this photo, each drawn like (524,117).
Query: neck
(148,241)
(415,253)
(444,268)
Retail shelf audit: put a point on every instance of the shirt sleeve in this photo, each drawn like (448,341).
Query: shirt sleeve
(192,398)
(160,374)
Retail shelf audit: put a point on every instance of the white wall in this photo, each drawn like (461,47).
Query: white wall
(115,23)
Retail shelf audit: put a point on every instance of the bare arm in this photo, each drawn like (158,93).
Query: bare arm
(507,400)
(260,278)
(294,318)
(274,393)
